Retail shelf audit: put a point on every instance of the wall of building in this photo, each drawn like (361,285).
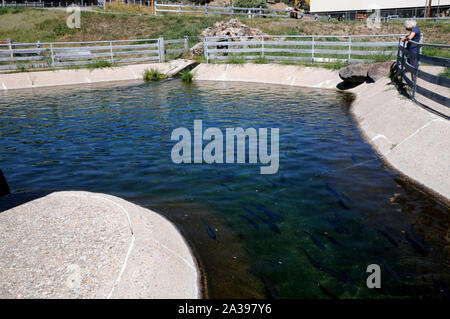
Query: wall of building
(350,5)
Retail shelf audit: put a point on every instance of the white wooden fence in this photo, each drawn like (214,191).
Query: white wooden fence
(316,48)
(14,56)
(208,10)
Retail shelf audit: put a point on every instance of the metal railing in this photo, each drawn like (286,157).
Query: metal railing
(405,66)
(208,10)
(25,56)
(312,48)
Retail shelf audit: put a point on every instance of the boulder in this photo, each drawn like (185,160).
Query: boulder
(4,188)
(362,72)
(197,49)
(378,70)
(232,28)
(354,73)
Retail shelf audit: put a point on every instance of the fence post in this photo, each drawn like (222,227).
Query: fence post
(416,74)
(232,10)
(179,9)
(312,59)
(260,11)
(206,10)
(51,52)
(398,54)
(349,48)
(162,56)
(186,44)
(111,50)
(205,49)
(262,46)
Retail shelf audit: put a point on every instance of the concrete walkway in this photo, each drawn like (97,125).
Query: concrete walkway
(27,80)
(412,140)
(87,245)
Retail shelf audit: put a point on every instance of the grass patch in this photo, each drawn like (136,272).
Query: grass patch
(235,60)
(153,75)
(446,73)
(261,60)
(187,76)
(100,64)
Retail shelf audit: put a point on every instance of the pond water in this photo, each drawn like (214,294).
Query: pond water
(309,231)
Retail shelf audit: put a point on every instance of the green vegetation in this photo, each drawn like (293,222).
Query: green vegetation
(100,64)
(187,76)
(250,3)
(446,73)
(235,59)
(261,60)
(153,75)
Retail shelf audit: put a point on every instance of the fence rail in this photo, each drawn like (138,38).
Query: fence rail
(24,56)
(405,65)
(315,48)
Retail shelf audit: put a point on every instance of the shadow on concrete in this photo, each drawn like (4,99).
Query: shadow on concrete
(347,85)
(16,199)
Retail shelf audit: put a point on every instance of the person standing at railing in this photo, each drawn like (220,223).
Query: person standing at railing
(411,47)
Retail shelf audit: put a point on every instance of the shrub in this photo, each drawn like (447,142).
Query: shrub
(99,64)
(250,3)
(153,75)
(187,76)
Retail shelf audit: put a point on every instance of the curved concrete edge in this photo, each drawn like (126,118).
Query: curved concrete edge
(268,73)
(88,245)
(410,139)
(27,80)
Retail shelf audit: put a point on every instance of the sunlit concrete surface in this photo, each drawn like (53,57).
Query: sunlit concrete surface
(88,245)
(24,80)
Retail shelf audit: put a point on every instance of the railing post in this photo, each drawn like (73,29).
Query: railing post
(262,46)
(416,74)
(205,49)
(232,10)
(111,50)
(206,10)
(312,58)
(186,44)
(53,56)
(162,56)
(179,9)
(349,48)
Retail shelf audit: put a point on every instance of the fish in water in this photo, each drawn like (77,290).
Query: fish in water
(420,239)
(392,231)
(227,187)
(336,274)
(337,227)
(330,239)
(346,198)
(331,189)
(314,240)
(343,204)
(271,225)
(415,245)
(268,212)
(390,270)
(250,221)
(209,230)
(388,237)
(326,292)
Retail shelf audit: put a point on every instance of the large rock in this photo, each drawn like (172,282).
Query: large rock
(378,70)
(232,28)
(197,49)
(362,72)
(354,73)
(4,188)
